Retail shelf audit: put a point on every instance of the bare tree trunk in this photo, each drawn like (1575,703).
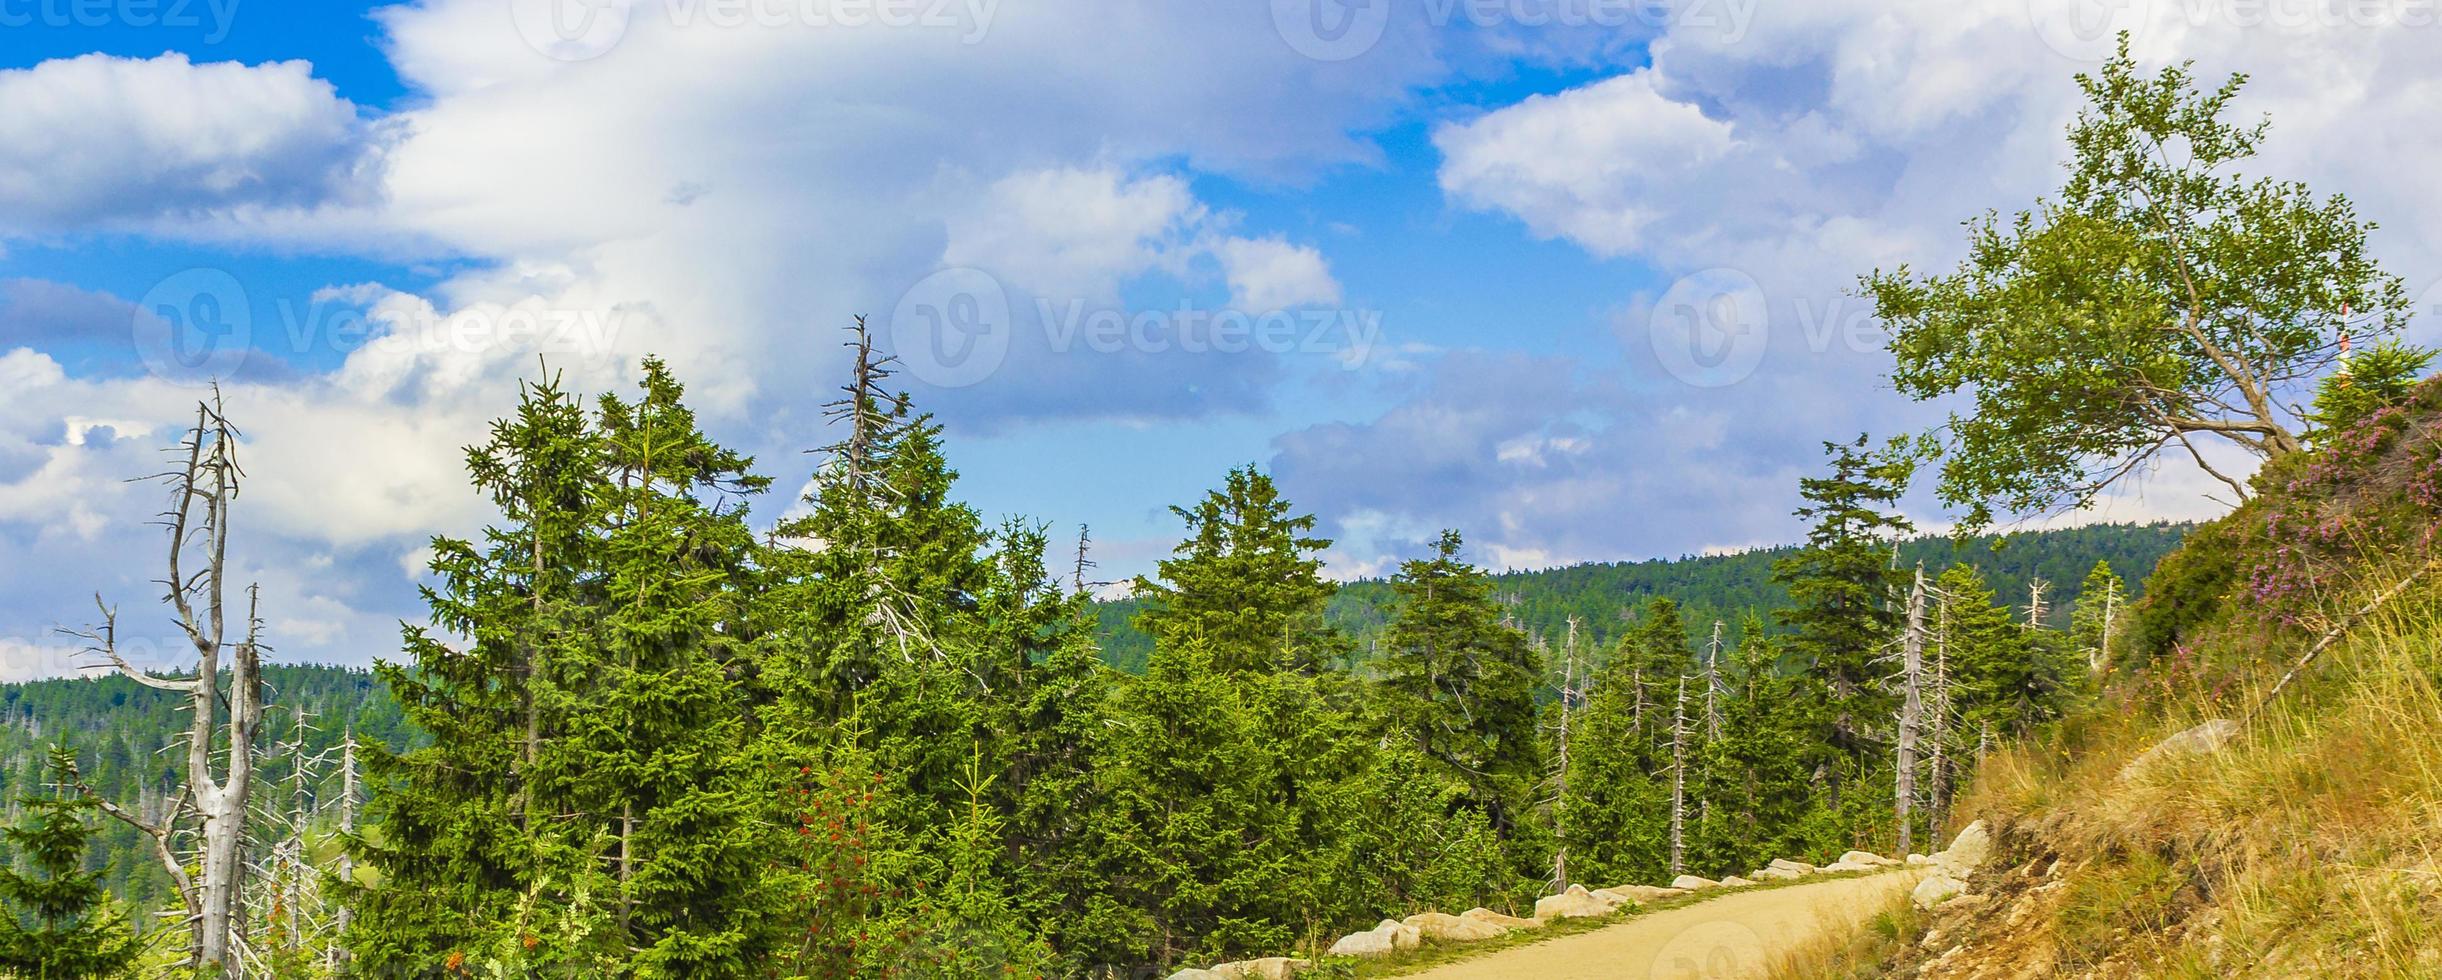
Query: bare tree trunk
(1939,772)
(1678,782)
(210,806)
(1560,796)
(1911,713)
(347,863)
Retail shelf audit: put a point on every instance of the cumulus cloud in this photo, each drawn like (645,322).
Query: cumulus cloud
(105,141)
(1821,141)
(1273,274)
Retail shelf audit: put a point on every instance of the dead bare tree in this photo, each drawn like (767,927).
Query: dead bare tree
(1938,800)
(200,837)
(1911,712)
(1678,782)
(1571,698)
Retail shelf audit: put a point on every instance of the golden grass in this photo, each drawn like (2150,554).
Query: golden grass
(2310,846)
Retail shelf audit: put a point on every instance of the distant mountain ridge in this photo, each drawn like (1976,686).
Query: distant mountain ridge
(1604,595)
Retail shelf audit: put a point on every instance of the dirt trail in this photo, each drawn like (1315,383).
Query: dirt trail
(1727,938)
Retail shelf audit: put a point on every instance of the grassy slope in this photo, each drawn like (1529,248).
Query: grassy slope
(2312,844)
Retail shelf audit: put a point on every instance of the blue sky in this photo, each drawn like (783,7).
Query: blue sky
(1472,222)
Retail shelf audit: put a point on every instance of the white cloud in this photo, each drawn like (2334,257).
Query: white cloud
(1273,274)
(103,141)
(1071,232)
(1596,165)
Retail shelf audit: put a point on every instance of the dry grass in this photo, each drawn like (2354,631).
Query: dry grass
(2310,846)
(1861,953)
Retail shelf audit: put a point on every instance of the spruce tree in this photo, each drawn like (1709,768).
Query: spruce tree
(1459,685)
(654,749)
(1246,585)
(1841,586)
(1619,789)
(60,924)
(458,850)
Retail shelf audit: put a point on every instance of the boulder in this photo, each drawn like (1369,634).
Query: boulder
(1640,894)
(2205,739)
(1918,860)
(1693,883)
(1775,874)
(1444,927)
(1403,935)
(1192,973)
(1576,903)
(1268,968)
(1800,867)
(1735,881)
(1935,889)
(1839,867)
(1496,918)
(1967,851)
(1866,858)
(1370,943)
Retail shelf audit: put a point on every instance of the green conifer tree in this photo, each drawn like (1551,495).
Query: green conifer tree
(1841,587)
(1459,685)
(60,924)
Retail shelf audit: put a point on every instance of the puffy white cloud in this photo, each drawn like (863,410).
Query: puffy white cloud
(1596,165)
(1823,141)
(104,141)
(1273,274)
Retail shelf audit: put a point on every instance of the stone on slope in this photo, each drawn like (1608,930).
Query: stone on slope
(1775,874)
(1504,921)
(1735,881)
(1800,867)
(1936,888)
(1867,858)
(1576,903)
(1967,851)
(1268,968)
(1403,935)
(2204,739)
(1640,894)
(1444,927)
(1918,860)
(1693,883)
(1371,942)
(1846,866)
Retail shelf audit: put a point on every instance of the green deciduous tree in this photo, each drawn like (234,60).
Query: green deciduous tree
(2160,299)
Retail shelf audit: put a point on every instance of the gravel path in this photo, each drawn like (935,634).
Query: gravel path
(1723,939)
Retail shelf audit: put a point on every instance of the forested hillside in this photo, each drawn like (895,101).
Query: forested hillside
(1604,596)
(640,732)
